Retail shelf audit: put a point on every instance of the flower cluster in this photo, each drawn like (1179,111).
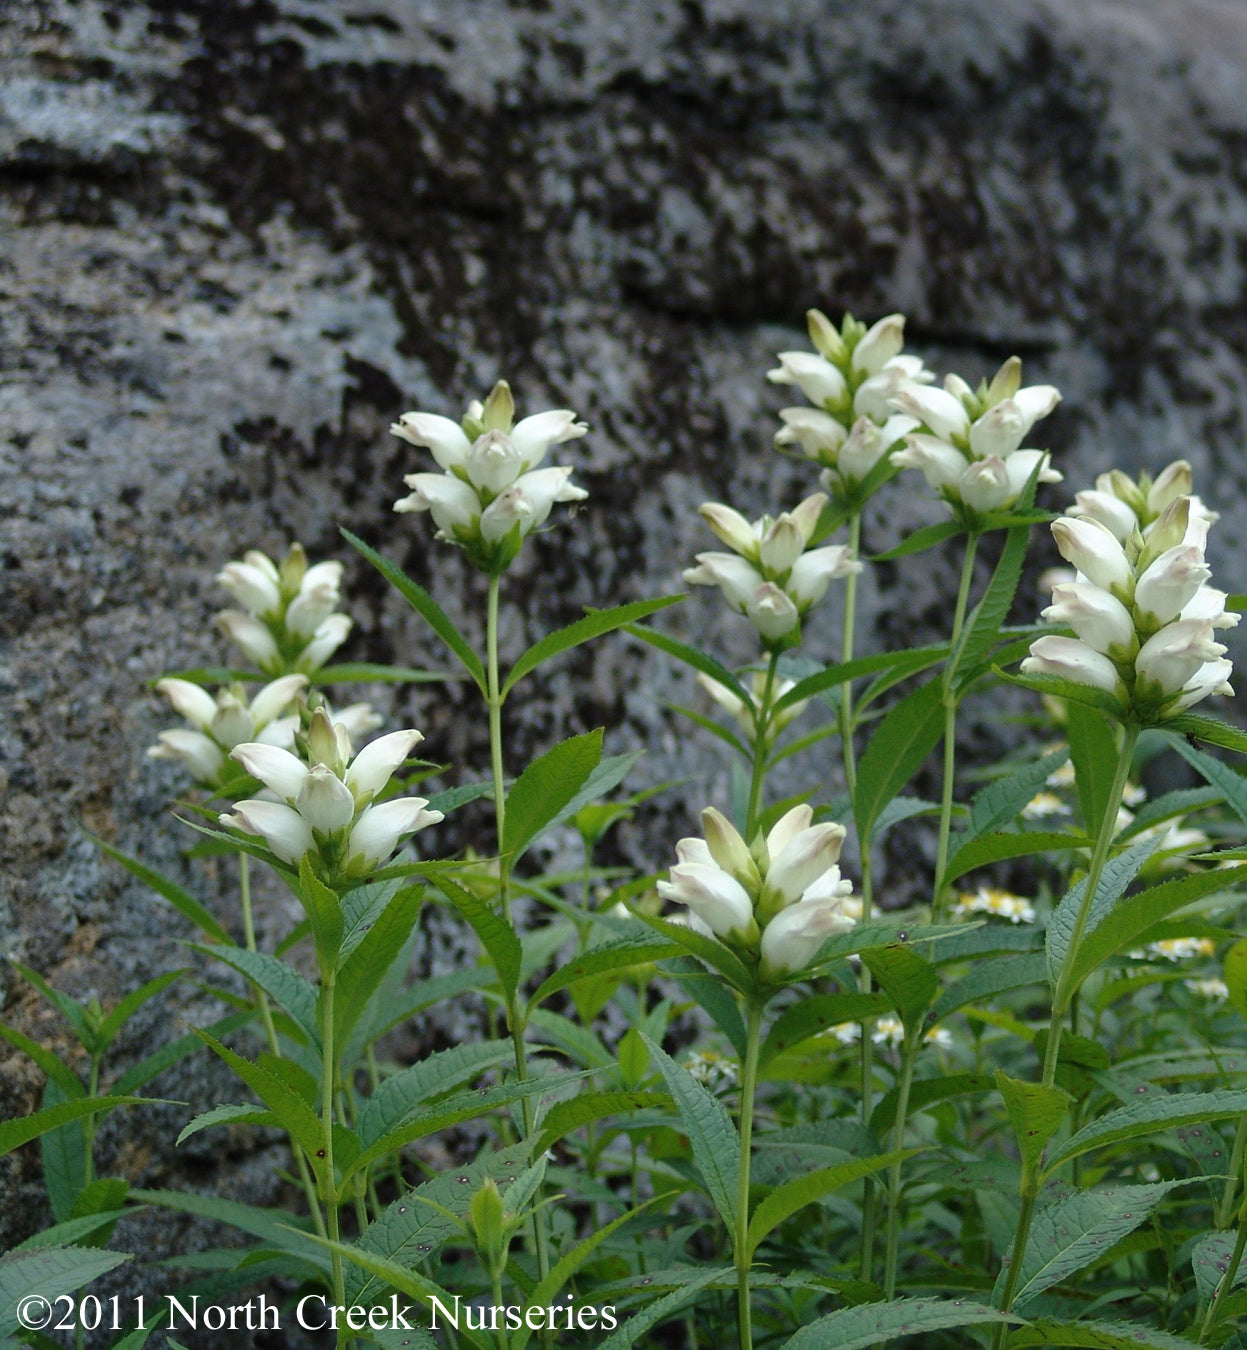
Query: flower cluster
(773,576)
(777,901)
(491,494)
(992,900)
(287,621)
(970,451)
(1141,610)
(712,1070)
(326,799)
(746,713)
(851,379)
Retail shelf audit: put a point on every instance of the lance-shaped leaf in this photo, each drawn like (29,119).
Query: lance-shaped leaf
(690,656)
(629,1335)
(284,985)
(494,933)
(367,965)
(180,898)
(546,786)
(1036,1112)
(324,912)
(564,1117)
(1209,729)
(711,1134)
(897,749)
(48,1273)
(15,1133)
(1236,976)
(1095,1335)
(1078,1229)
(226,1114)
(1000,802)
(927,1092)
(981,631)
(879,1323)
(993,848)
(811,1016)
(593,625)
(989,978)
(909,981)
(901,664)
(1211,1263)
(611,956)
(273,1228)
(1093,748)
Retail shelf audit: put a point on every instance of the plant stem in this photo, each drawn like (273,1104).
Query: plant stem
(748,1086)
(951,701)
(1226,1283)
(329,1184)
(1062,997)
(1225,1210)
(909,1054)
(270,1033)
(762,720)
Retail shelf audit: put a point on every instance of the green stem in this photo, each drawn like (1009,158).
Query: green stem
(748,1087)
(1225,1210)
(909,1055)
(847,646)
(762,726)
(951,701)
(1061,999)
(270,1034)
(1226,1283)
(88,1124)
(329,1184)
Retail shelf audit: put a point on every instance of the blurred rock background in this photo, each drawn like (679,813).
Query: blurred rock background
(239,238)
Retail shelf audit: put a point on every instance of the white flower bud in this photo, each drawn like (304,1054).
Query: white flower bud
(275,697)
(731,527)
(727,849)
(792,823)
(771,612)
(199,753)
(879,344)
(984,485)
(446,439)
(941,412)
(818,434)
(1094,551)
(282,828)
(330,634)
(251,586)
(737,580)
(792,938)
(1113,513)
(1070,659)
(1097,618)
(1170,583)
(377,762)
(1171,657)
(998,432)
(1211,678)
(941,464)
(493,463)
(453,504)
(376,834)
(190,700)
(781,545)
(533,436)
(279,770)
(805,858)
(813,572)
(325,801)
(815,376)
(252,637)
(717,898)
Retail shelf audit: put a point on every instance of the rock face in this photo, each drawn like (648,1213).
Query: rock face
(240,238)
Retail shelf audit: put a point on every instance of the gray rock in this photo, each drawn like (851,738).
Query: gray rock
(240,238)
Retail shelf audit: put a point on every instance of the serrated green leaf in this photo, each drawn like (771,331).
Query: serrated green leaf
(121,1014)
(70,1009)
(226,1114)
(1118,873)
(989,978)
(922,539)
(1209,729)
(1036,1112)
(604,777)
(272,1227)
(324,913)
(901,664)
(690,656)
(908,979)
(595,624)
(1094,1334)
(1122,925)
(927,1092)
(63,1152)
(180,898)
(1235,972)
(1085,695)
(1000,802)
(49,1273)
(424,605)
(493,932)
(994,848)
(371,672)
(871,1324)
(1211,1262)
(407,1090)
(54,1068)
(785,1200)
(15,1133)
(810,1016)
(176,1051)
(578,1042)
(1147,1117)
(895,752)
(564,1117)
(611,956)
(717,955)
(546,786)
(284,985)
(1231,785)
(361,908)
(74,1230)
(1093,748)
(363,969)
(981,631)
(1074,1231)
(629,1334)
(711,1134)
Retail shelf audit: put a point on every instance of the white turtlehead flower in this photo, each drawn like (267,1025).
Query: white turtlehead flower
(220,722)
(781,899)
(992,900)
(746,713)
(326,802)
(1124,505)
(772,576)
(1072,660)
(492,491)
(971,450)
(852,380)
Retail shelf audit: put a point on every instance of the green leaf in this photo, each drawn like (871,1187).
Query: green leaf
(909,981)
(1236,976)
(296,1116)
(1231,785)
(989,978)
(900,664)
(879,1323)
(226,1114)
(611,956)
(711,1134)
(1137,913)
(63,1152)
(564,1117)
(1093,748)
(363,970)
(15,1133)
(810,1016)
(1085,695)
(594,624)
(402,1093)
(54,1068)
(182,900)
(495,935)
(284,985)
(1097,1335)
(900,744)
(424,605)
(576,1041)
(1147,1117)
(1210,729)
(785,1200)
(371,672)
(49,1273)
(1118,873)
(690,656)
(1036,1113)
(717,955)
(999,803)
(1211,1262)
(981,631)
(927,1092)
(994,848)
(546,786)
(925,538)
(324,912)
(132,1002)
(177,1050)
(453,798)
(628,1336)
(72,1011)
(1078,1229)
(606,776)
(361,908)
(74,1230)
(272,1227)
